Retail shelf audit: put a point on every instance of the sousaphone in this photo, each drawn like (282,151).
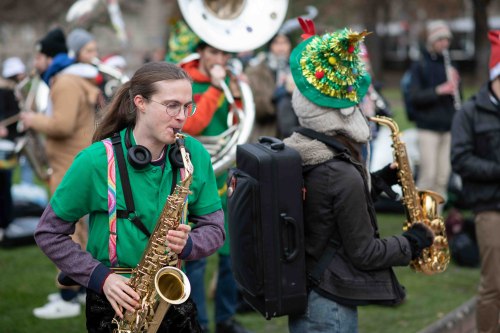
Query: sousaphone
(233,26)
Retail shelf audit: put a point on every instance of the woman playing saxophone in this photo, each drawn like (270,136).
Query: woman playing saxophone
(146,112)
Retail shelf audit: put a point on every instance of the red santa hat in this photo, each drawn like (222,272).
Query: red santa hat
(114,61)
(494,36)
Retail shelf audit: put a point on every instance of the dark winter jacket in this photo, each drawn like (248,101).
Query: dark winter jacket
(338,204)
(475,151)
(432,111)
(9,106)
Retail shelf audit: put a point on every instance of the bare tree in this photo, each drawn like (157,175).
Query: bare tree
(374,43)
(481,44)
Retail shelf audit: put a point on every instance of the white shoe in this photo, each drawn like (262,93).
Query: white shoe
(82,297)
(54,297)
(57,309)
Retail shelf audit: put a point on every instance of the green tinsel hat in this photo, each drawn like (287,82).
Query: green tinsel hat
(182,41)
(328,69)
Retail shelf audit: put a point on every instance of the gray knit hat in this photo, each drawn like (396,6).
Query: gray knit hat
(77,39)
(349,121)
(436,30)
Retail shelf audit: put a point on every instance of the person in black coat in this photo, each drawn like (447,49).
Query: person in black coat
(430,93)
(13,71)
(338,205)
(475,156)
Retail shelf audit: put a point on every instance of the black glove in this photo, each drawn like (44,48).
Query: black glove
(388,175)
(420,237)
(383,179)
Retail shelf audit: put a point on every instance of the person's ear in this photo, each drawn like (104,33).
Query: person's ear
(140,103)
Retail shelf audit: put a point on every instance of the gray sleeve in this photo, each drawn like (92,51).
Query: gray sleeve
(206,237)
(52,236)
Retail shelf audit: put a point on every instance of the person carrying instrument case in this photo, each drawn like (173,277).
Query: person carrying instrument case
(302,213)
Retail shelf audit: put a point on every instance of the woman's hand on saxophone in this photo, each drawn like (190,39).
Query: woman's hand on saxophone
(178,238)
(119,294)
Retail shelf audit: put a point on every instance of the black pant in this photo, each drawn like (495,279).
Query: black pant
(179,318)
(5,198)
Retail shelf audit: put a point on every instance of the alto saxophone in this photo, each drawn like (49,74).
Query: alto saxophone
(158,284)
(420,206)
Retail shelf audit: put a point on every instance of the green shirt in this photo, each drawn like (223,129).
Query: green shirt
(84,189)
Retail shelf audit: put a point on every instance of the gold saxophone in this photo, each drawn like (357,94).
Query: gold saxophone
(158,284)
(420,206)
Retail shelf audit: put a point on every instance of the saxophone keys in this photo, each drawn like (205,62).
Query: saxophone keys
(440,242)
(441,258)
(437,225)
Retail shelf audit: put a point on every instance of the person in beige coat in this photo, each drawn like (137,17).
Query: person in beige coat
(272,84)
(68,129)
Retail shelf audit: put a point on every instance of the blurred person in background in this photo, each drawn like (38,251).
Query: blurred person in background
(47,48)
(272,86)
(431,95)
(115,61)
(82,46)
(68,130)
(368,107)
(107,83)
(13,71)
(211,119)
(475,156)
(373,104)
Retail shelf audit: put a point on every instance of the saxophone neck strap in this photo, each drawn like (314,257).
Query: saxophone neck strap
(127,190)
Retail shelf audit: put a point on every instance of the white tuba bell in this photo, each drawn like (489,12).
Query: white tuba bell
(86,13)
(233,26)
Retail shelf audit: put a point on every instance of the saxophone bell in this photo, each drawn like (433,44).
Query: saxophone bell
(172,285)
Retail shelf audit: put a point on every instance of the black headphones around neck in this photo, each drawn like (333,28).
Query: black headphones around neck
(139,156)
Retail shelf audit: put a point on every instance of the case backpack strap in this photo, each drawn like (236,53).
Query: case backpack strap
(315,276)
(328,140)
(113,258)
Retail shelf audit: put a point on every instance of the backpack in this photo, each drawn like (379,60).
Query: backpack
(404,85)
(266,230)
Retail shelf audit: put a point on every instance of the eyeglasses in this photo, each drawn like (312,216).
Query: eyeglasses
(174,108)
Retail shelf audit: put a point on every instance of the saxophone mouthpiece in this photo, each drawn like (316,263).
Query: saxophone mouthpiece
(179,138)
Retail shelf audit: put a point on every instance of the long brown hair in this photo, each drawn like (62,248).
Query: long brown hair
(351,146)
(122,111)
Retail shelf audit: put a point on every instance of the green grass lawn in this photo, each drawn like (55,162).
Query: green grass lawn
(28,277)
